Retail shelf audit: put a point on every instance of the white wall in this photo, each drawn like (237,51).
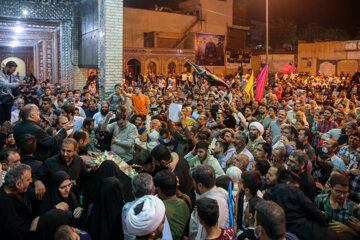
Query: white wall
(137,21)
(347,53)
(278,61)
(216,13)
(218,16)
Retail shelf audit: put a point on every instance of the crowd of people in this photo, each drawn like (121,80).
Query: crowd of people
(285,167)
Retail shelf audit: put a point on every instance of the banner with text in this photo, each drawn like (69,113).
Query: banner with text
(235,60)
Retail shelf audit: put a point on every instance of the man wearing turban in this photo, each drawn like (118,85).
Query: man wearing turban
(146,218)
(256,130)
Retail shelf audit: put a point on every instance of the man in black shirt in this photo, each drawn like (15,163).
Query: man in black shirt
(15,213)
(27,146)
(303,218)
(297,163)
(30,116)
(304,138)
(166,160)
(321,170)
(67,161)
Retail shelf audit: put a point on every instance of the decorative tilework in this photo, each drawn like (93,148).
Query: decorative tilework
(110,44)
(101,44)
(41,61)
(55,12)
(48,61)
(58,56)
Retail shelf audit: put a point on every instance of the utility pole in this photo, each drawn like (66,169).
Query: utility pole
(267,31)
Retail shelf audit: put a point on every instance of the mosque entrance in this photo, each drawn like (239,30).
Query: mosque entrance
(134,67)
(34,45)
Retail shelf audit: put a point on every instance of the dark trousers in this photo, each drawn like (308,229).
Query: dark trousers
(5,113)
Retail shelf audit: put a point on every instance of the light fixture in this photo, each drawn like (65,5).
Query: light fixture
(25,12)
(15,44)
(18,29)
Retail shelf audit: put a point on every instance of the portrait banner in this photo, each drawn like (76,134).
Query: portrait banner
(209,49)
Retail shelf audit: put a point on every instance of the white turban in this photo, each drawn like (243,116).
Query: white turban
(234,173)
(148,218)
(258,126)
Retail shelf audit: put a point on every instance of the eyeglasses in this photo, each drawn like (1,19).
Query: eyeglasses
(338,192)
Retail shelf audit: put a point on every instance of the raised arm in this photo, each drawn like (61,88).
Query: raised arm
(4,83)
(126,94)
(106,121)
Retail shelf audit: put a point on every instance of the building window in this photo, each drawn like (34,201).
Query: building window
(134,66)
(171,67)
(187,67)
(149,39)
(151,67)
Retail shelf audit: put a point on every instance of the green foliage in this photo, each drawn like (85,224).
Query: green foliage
(314,31)
(284,32)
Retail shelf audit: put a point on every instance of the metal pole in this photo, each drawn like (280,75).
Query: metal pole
(267,31)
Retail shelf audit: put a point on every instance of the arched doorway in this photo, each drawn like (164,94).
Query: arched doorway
(134,66)
(171,67)
(151,67)
(187,67)
(21,67)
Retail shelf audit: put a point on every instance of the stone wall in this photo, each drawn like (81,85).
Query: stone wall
(110,44)
(331,57)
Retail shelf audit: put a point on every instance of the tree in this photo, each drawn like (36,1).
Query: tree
(283,31)
(314,31)
(357,37)
(336,34)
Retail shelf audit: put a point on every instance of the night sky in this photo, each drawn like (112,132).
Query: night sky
(342,14)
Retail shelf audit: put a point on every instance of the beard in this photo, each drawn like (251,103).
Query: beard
(253,136)
(104,112)
(295,169)
(203,158)
(158,234)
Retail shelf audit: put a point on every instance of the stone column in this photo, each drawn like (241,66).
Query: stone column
(66,55)
(110,44)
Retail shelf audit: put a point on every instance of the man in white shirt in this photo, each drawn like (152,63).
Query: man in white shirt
(99,116)
(240,142)
(124,134)
(199,110)
(142,186)
(19,103)
(68,111)
(204,179)
(291,115)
